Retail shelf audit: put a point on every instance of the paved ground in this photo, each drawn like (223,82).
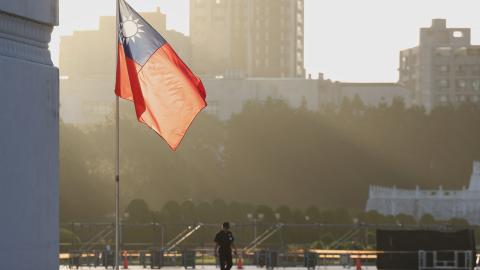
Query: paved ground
(234,268)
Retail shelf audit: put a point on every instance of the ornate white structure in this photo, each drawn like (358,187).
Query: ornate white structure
(28,137)
(441,204)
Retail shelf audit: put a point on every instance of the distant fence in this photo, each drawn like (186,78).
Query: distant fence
(458,259)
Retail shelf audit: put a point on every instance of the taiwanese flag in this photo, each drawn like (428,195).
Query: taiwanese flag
(166,94)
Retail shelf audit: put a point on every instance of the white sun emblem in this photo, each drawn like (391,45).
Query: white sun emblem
(130,29)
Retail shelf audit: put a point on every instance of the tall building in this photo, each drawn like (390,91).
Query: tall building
(29,139)
(252,38)
(443,69)
(91,53)
(87,68)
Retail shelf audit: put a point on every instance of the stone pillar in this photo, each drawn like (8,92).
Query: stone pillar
(28,137)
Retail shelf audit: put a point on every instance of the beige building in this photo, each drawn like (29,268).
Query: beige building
(226,97)
(87,68)
(87,62)
(443,69)
(256,38)
(90,101)
(372,94)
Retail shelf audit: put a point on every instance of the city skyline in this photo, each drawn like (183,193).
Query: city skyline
(332,55)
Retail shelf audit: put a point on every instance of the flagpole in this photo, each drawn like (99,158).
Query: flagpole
(117,156)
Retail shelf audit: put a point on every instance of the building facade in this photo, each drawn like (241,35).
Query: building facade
(90,101)
(90,54)
(226,97)
(29,139)
(230,39)
(257,38)
(371,94)
(443,69)
(441,204)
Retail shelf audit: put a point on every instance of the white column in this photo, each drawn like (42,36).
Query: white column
(28,137)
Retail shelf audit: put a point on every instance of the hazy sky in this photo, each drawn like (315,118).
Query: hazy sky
(348,40)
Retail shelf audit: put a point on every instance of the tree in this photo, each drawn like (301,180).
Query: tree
(427,219)
(138,212)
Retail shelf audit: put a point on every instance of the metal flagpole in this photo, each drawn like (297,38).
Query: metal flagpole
(117,155)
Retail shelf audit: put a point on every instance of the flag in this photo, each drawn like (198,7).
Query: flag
(166,94)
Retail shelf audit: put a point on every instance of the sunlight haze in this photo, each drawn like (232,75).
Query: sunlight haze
(348,40)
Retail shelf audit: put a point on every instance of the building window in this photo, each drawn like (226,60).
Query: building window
(457,34)
(299,69)
(443,68)
(299,56)
(213,107)
(299,44)
(443,99)
(299,4)
(461,84)
(476,85)
(443,83)
(461,70)
(443,51)
(476,70)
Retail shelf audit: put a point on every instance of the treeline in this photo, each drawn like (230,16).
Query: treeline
(241,213)
(308,227)
(271,154)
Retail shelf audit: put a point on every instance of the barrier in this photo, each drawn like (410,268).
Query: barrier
(188,259)
(451,260)
(74,260)
(401,249)
(157,259)
(108,259)
(142,259)
(345,260)
(266,258)
(310,260)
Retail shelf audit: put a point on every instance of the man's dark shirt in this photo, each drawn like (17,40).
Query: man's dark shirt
(224,239)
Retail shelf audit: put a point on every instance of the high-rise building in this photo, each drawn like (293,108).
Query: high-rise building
(87,67)
(254,38)
(91,53)
(443,69)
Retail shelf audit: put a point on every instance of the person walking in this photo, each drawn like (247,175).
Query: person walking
(223,247)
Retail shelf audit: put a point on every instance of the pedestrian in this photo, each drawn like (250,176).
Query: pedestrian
(223,247)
